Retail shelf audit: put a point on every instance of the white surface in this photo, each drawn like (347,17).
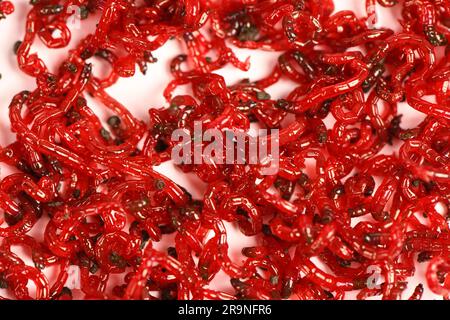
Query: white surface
(143,92)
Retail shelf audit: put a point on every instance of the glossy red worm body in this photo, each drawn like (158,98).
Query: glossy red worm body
(354,219)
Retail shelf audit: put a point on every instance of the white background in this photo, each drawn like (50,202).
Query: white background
(143,92)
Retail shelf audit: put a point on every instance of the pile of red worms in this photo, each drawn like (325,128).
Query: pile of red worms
(320,231)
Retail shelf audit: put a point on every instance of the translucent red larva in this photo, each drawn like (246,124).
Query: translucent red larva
(334,197)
